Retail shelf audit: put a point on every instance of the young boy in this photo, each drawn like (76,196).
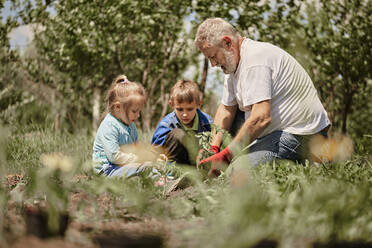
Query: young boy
(176,131)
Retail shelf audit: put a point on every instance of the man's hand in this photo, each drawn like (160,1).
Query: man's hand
(224,156)
(215,170)
(214,149)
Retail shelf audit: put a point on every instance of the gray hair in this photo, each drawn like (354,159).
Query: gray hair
(212,30)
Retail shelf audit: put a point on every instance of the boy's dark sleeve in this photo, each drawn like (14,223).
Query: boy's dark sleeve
(171,140)
(210,119)
(160,133)
(206,121)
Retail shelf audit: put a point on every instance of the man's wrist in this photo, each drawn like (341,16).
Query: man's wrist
(235,148)
(215,149)
(217,139)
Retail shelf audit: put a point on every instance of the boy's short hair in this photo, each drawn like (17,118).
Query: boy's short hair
(185,91)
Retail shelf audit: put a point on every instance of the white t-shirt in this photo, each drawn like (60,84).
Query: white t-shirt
(268,72)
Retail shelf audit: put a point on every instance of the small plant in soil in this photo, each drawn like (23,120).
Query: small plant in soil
(205,139)
(48,190)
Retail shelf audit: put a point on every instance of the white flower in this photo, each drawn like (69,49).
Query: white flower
(56,161)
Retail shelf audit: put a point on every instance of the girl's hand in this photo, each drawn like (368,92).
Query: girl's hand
(162,158)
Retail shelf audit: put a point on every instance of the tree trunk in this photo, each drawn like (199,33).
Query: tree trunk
(348,102)
(331,109)
(204,76)
(164,106)
(56,122)
(146,117)
(96,108)
(163,100)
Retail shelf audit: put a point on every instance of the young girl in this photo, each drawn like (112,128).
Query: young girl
(124,102)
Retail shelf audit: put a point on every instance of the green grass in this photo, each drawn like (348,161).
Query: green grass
(285,202)
(23,151)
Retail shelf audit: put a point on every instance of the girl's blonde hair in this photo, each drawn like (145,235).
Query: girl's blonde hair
(185,91)
(125,92)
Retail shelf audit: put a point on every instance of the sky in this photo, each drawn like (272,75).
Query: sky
(19,37)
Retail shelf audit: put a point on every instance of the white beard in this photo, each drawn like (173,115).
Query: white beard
(229,66)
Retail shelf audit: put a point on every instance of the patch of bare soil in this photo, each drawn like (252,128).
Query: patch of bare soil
(12,180)
(106,222)
(34,242)
(167,232)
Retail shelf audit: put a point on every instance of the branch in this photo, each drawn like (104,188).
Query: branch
(166,61)
(164,107)
(42,91)
(204,77)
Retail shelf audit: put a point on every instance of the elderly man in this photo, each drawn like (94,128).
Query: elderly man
(280,104)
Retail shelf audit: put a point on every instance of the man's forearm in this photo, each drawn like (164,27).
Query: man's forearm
(248,132)
(259,119)
(223,119)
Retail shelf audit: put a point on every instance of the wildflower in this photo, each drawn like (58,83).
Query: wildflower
(336,148)
(144,152)
(56,161)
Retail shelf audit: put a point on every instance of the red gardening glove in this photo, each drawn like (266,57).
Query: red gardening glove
(224,156)
(214,149)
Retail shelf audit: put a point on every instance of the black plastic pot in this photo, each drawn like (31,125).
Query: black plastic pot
(128,241)
(37,223)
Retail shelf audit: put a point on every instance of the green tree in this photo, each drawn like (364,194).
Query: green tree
(339,34)
(26,96)
(94,41)
(12,97)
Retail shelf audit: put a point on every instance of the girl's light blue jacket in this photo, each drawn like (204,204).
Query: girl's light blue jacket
(111,134)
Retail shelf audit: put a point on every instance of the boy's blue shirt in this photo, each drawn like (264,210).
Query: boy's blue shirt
(171,121)
(110,135)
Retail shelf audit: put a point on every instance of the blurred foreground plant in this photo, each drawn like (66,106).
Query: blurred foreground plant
(51,185)
(295,205)
(3,194)
(336,148)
